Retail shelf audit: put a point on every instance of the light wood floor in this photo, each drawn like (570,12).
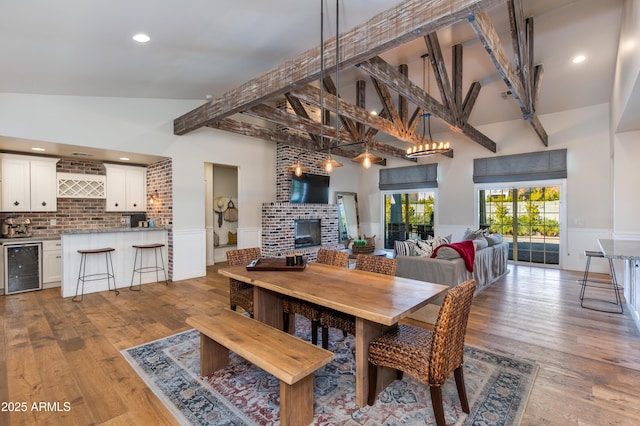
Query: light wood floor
(54,350)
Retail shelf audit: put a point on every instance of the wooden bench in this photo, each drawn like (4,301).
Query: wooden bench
(290,359)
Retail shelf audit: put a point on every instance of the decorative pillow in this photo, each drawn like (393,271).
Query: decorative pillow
(480,243)
(233,238)
(440,240)
(472,234)
(216,239)
(423,248)
(404,248)
(447,253)
(493,239)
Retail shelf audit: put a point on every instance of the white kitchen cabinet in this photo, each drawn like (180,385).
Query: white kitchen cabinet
(28,183)
(126,188)
(44,182)
(51,263)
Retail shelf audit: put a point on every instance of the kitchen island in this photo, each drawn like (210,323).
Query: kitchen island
(122,240)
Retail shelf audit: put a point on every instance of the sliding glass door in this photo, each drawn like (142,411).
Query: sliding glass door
(528,217)
(408,215)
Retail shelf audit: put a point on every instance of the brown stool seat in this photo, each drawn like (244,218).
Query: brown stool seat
(147,246)
(94,251)
(142,269)
(83,276)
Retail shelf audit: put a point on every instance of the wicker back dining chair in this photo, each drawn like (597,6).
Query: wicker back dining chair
(377,264)
(346,322)
(241,294)
(292,306)
(429,356)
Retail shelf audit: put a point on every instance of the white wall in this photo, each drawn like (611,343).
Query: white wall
(626,86)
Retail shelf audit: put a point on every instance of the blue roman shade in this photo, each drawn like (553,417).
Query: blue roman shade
(410,177)
(530,166)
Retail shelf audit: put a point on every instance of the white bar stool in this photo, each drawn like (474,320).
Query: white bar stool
(142,269)
(82,276)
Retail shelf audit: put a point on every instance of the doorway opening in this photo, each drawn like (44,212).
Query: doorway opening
(529,219)
(221,193)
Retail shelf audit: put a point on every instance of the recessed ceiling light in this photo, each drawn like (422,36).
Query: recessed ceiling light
(125,158)
(38,149)
(141,38)
(578,59)
(374,112)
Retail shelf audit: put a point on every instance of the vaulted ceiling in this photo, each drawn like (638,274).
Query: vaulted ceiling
(403,103)
(201,48)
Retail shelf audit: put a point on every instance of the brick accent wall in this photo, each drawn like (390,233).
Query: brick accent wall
(278,218)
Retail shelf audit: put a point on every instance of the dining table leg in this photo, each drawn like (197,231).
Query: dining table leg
(267,307)
(366,331)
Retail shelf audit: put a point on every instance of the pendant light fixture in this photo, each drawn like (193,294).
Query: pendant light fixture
(430,147)
(367,158)
(328,164)
(298,168)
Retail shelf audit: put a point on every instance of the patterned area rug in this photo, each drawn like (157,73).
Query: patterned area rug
(498,387)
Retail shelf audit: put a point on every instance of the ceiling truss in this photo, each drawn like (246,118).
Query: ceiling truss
(361,46)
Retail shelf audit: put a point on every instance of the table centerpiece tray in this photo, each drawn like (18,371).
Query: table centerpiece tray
(274,264)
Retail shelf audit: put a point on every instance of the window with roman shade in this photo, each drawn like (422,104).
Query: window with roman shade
(410,177)
(532,166)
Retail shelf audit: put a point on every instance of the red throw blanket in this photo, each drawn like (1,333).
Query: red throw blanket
(465,249)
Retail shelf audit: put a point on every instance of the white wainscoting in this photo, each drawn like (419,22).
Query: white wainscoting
(189,254)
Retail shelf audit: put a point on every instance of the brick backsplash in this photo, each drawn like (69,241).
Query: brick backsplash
(87,213)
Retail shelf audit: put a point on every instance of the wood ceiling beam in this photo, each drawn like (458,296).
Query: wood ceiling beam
(311,95)
(457,65)
(330,87)
(382,71)
(299,109)
(385,97)
(386,30)
(441,75)
(403,104)
(296,122)
(272,135)
(490,40)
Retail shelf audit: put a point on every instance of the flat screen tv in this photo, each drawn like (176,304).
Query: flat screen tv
(310,188)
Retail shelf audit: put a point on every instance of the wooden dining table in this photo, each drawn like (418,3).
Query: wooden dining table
(377,302)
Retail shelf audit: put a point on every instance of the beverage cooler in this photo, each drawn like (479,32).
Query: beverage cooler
(22,267)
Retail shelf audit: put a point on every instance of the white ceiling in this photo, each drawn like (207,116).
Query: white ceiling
(204,47)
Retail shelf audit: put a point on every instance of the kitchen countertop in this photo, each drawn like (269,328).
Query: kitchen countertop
(19,240)
(108,230)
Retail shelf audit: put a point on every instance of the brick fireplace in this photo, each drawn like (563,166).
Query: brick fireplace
(278,219)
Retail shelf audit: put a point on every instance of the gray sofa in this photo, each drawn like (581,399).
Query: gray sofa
(489,265)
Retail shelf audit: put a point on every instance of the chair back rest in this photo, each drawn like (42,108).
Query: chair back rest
(377,264)
(242,256)
(333,257)
(447,347)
